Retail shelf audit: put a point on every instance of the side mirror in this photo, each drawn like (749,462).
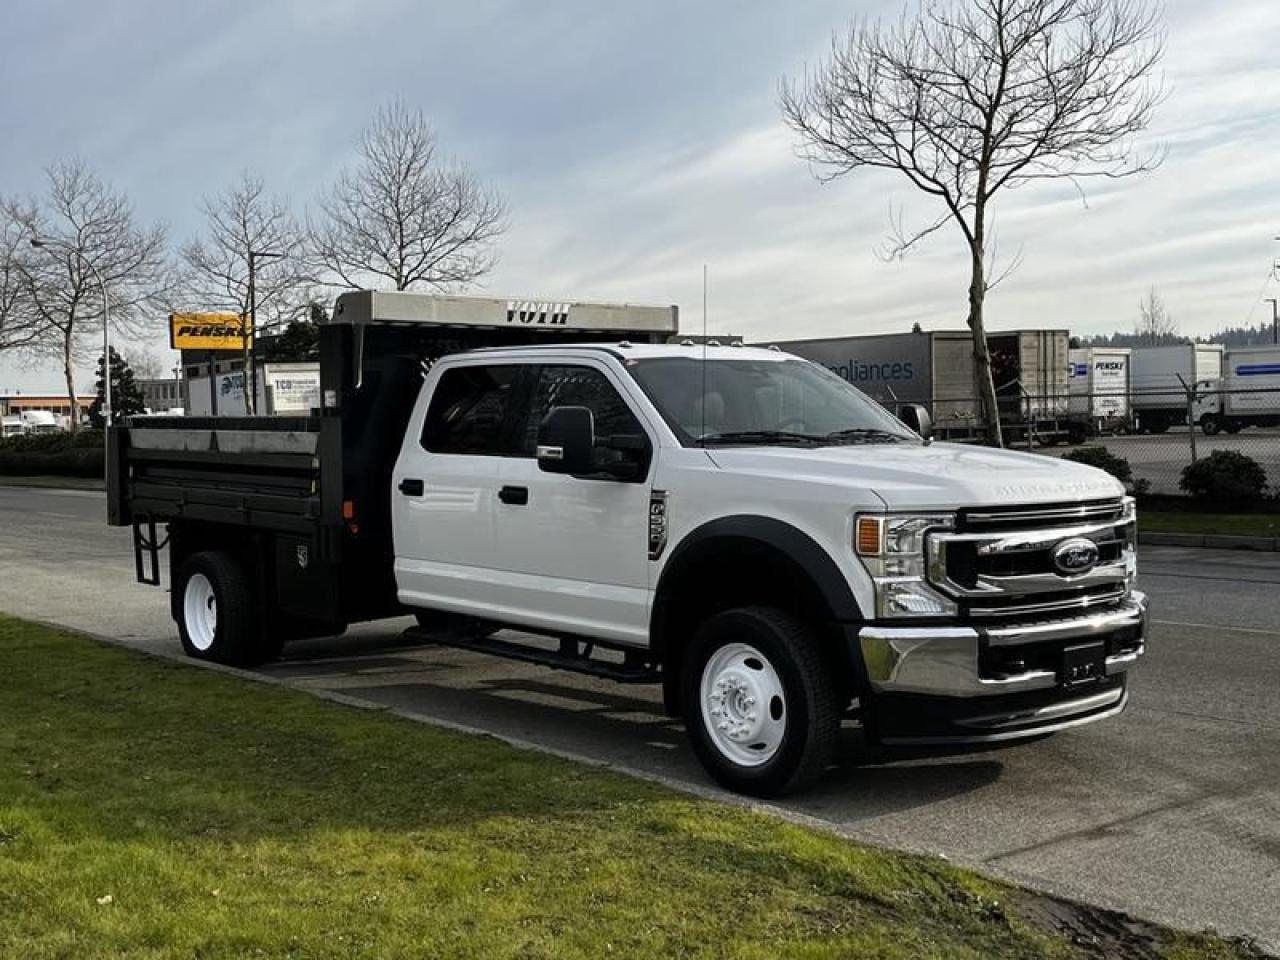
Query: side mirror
(566,441)
(917,418)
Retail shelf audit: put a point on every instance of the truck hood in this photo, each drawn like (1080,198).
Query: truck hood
(913,476)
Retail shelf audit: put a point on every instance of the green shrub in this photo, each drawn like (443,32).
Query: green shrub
(1225,477)
(1103,459)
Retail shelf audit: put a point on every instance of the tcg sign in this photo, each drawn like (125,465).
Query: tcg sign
(208,331)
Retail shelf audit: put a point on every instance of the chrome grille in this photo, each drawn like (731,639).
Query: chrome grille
(998,563)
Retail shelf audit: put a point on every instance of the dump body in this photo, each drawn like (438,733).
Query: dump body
(308,497)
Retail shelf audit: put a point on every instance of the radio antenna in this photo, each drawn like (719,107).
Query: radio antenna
(702,430)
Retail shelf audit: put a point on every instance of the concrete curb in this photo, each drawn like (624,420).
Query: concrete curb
(1212,541)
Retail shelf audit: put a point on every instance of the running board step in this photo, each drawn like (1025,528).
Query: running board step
(571,656)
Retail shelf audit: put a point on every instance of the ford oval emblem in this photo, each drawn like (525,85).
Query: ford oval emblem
(1073,557)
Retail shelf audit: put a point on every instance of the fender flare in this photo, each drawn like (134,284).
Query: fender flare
(776,536)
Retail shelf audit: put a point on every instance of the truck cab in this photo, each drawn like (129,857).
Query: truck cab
(738,525)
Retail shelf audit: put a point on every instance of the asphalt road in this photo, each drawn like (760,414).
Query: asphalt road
(1171,811)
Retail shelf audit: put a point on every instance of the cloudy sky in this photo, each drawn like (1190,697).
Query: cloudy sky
(636,142)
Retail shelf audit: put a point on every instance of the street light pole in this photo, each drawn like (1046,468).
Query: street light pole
(252,387)
(1275,321)
(39,242)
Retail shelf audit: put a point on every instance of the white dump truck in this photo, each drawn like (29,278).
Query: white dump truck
(738,525)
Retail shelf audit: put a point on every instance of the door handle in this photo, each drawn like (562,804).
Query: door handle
(517,496)
(411,487)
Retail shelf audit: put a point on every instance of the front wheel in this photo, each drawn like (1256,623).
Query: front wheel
(1210,424)
(761,706)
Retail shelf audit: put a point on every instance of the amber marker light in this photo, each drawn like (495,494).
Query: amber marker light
(867,539)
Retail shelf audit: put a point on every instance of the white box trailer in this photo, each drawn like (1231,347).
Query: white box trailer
(1160,376)
(1098,379)
(284,389)
(935,368)
(1247,395)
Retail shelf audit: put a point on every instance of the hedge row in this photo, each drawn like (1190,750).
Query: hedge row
(53,454)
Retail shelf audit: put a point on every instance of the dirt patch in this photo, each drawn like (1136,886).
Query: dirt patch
(1113,935)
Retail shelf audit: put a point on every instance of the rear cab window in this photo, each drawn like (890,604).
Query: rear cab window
(471,410)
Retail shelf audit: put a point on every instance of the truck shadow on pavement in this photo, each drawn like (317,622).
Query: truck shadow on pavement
(617,729)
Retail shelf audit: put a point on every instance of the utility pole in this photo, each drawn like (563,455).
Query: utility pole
(251,366)
(1275,321)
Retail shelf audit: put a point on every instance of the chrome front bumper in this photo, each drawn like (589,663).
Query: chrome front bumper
(945,660)
(913,669)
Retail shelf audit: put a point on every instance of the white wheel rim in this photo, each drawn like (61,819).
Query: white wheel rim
(200,611)
(744,709)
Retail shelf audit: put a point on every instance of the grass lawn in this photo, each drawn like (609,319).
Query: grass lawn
(154,810)
(1233,524)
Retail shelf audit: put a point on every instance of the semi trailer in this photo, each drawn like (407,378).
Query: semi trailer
(552,483)
(1099,387)
(283,389)
(935,369)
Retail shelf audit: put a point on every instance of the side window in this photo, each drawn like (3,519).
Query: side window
(566,386)
(468,410)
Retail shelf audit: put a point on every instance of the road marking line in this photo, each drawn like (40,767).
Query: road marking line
(1217,626)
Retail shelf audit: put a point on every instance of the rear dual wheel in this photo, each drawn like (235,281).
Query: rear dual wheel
(761,706)
(218,619)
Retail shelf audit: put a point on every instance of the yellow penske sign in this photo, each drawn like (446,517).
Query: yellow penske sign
(207,331)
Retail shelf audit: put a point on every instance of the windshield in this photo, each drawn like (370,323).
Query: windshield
(762,401)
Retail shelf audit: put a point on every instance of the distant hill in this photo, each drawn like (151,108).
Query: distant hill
(1258,336)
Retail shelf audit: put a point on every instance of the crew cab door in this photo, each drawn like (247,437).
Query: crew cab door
(574,551)
(445,484)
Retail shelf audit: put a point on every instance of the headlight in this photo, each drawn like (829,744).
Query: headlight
(891,547)
(1129,552)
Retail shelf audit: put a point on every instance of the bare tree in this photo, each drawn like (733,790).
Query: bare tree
(18,326)
(1155,325)
(146,365)
(245,220)
(404,216)
(966,98)
(87,226)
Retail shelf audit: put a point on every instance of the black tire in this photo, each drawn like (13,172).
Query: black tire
(810,710)
(236,637)
(1158,426)
(1233,426)
(1210,424)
